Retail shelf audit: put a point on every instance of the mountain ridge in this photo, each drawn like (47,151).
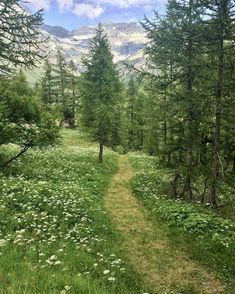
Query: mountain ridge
(127,41)
(61,32)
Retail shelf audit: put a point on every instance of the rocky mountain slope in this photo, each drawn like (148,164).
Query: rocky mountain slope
(127,40)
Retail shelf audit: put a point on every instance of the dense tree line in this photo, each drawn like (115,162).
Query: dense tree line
(179,107)
(59,88)
(190,76)
(23,118)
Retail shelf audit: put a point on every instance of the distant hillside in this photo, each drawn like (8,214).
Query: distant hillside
(56,31)
(127,41)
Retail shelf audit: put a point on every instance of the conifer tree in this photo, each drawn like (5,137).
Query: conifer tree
(19,36)
(100,89)
(73,92)
(174,51)
(220,42)
(61,83)
(48,84)
(59,86)
(134,115)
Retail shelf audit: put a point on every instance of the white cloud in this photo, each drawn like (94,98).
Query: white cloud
(96,6)
(41,4)
(88,10)
(65,4)
(92,8)
(129,3)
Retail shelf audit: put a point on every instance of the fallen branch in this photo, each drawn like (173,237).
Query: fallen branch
(24,150)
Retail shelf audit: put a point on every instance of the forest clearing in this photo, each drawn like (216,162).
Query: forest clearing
(73,225)
(117,147)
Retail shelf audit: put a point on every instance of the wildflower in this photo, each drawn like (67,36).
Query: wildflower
(53,257)
(2,242)
(106,272)
(57,262)
(112,279)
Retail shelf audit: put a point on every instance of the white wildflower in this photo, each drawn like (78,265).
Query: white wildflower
(57,262)
(53,257)
(112,279)
(2,242)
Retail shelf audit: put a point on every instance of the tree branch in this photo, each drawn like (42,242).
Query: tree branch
(24,150)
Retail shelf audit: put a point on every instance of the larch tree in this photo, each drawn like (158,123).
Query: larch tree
(61,84)
(133,115)
(20,37)
(48,84)
(73,92)
(190,83)
(173,55)
(221,40)
(100,88)
(21,119)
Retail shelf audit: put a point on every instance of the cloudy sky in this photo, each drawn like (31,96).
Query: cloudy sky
(74,13)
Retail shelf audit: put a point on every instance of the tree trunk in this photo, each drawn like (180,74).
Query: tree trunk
(233,170)
(141,137)
(218,111)
(187,187)
(101,142)
(73,103)
(165,140)
(203,150)
(131,138)
(180,149)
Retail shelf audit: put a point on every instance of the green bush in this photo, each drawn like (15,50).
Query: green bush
(23,118)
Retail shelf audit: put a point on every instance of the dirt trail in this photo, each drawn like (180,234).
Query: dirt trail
(165,269)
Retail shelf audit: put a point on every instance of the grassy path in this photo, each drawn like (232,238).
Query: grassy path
(165,269)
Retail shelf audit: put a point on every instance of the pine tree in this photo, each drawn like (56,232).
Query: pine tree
(62,84)
(100,89)
(59,86)
(73,95)
(133,116)
(173,53)
(220,42)
(19,36)
(48,84)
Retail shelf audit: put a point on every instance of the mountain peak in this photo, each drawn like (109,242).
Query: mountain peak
(124,27)
(127,41)
(56,31)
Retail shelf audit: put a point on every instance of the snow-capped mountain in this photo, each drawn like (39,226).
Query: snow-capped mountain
(127,41)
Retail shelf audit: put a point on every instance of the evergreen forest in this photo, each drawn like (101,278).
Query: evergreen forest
(119,180)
